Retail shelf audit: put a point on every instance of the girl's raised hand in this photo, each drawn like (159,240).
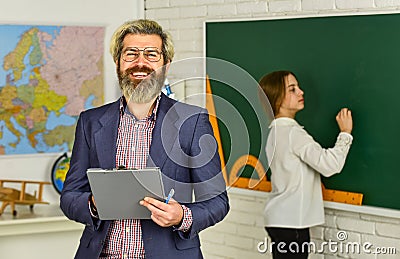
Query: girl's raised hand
(345,120)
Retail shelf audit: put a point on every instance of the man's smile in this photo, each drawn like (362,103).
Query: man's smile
(139,75)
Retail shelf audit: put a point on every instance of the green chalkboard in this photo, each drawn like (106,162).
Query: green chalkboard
(340,61)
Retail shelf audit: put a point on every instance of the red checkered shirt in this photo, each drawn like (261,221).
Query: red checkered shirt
(124,237)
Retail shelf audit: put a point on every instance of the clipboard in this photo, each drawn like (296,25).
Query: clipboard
(117,192)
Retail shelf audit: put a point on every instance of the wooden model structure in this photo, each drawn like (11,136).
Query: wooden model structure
(11,196)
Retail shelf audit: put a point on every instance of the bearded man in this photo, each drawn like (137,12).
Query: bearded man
(145,128)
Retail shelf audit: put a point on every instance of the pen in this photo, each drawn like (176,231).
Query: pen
(171,193)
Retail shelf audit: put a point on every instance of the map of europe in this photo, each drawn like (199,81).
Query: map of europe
(48,75)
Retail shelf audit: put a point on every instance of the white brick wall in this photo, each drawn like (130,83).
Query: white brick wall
(252,8)
(280,6)
(345,4)
(242,230)
(317,5)
(387,3)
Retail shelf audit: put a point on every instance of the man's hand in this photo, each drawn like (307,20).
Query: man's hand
(163,214)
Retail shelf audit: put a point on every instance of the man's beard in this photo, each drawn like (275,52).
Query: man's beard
(141,90)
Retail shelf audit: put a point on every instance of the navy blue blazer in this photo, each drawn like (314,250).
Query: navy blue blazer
(183,146)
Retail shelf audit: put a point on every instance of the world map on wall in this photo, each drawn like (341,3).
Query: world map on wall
(48,75)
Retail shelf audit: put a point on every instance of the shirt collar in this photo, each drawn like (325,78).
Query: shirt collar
(284,121)
(123,108)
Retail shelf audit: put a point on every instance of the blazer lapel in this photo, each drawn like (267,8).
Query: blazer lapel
(106,137)
(165,133)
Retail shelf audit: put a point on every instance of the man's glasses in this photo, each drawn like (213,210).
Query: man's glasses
(152,54)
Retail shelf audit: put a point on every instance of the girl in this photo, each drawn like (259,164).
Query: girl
(297,161)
